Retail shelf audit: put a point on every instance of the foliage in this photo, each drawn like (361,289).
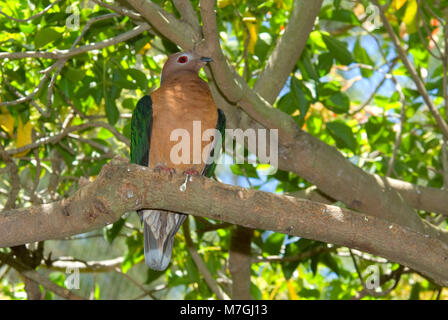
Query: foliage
(343,63)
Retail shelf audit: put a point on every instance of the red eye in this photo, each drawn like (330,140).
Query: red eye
(182,59)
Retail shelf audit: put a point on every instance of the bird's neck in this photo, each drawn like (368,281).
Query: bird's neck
(183,75)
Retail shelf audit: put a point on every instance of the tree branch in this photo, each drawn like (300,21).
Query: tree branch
(64,54)
(200,264)
(412,72)
(121,188)
(240,259)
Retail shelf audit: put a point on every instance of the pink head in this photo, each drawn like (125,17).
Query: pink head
(188,61)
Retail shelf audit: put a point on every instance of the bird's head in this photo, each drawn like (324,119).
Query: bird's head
(189,61)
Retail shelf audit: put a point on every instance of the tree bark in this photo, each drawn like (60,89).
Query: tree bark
(240,262)
(121,187)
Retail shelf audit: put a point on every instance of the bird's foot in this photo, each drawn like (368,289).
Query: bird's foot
(191,172)
(164,168)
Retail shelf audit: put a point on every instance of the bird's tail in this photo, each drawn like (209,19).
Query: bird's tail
(159,230)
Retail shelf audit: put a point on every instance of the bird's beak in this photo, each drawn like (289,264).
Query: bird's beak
(206,59)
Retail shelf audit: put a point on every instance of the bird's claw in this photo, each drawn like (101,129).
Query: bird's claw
(191,172)
(165,168)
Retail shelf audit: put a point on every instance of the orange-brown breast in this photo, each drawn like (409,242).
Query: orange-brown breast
(176,104)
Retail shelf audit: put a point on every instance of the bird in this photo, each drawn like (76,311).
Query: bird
(182,98)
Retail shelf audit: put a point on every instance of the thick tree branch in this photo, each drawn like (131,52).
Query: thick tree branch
(166,24)
(288,49)
(120,188)
(240,259)
(316,158)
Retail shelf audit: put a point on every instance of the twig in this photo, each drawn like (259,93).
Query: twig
(127,276)
(61,63)
(62,54)
(121,10)
(397,143)
(300,257)
(413,73)
(30,96)
(59,136)
(212,284)
(37,15)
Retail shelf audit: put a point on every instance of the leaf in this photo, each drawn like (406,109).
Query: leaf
(139,77)
(112,232)
(129,103)
(97,293)
(248,168)
(255,291)
(338,49)
(415,292)
(410,16)
(273,243)
(45,36)
(152,275)
(325,63)
(397,4)
(23,136)
(338,103)
(363,57)
(291,291)
(252,27)
(287,104)
(299,97)
(7,123)
(330,262)
(111,110)
(342,134)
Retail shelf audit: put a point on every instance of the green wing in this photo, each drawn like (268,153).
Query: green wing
(141,126)
(220,126)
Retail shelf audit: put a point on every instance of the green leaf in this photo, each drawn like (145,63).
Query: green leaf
(325,63)
(111,232)
(139,77)
(249,170)
(338,103)
(255,291)
(287,104)
(299,97)
(273,243)
(415,292)
(129,103)
(342,134)
(112,112)
(363,57)
(338,49)
(45,36)
(152,275)
(330,262)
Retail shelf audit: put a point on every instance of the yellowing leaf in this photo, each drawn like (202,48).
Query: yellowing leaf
(292,291)
(145,48)
(410,16)
(252,27)
(224,3)
(7,123)
(23,136)
(280,4)
(397,4)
